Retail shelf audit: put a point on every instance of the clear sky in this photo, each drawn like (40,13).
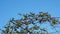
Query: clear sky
(11,8)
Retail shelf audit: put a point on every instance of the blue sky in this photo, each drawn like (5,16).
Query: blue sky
(11,8)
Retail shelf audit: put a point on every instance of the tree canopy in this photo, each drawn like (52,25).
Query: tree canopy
(30,24)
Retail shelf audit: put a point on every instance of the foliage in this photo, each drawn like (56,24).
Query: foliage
(21,26)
